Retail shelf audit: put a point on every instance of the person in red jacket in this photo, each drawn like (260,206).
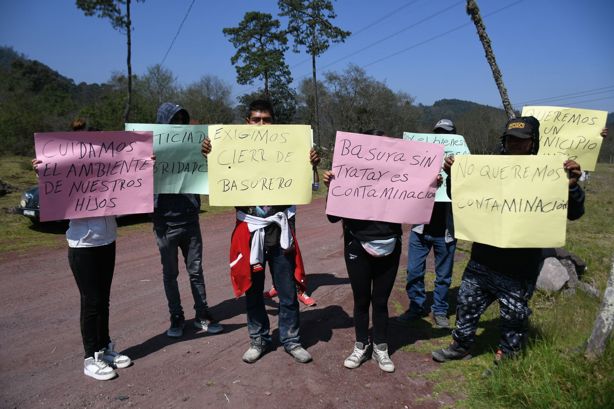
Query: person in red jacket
(271,241)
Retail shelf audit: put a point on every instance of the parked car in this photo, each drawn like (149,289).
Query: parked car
(29,205)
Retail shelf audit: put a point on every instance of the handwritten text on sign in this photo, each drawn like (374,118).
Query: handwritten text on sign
(259,165)
(179,167)
(510,201)
(86,174)
(452,144)
(569,131)
(385,179)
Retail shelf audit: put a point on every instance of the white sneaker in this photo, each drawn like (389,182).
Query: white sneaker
(357,357)
(380,354)
(98,369)
(115,359)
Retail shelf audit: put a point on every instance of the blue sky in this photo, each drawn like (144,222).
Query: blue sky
(427,48)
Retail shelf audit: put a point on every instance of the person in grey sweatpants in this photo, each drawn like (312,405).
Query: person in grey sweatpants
(176,226)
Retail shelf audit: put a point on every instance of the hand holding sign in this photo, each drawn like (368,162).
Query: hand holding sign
(259,165)
(382,178)
(87,174)
(569,131)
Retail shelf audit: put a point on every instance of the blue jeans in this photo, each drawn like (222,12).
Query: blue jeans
(187,238)
(282,270)
(419,247)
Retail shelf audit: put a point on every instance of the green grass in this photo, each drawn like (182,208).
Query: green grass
(552,372)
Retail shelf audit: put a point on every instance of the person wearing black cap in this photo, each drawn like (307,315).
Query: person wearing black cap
(504,274)
(177,227)
(438,234)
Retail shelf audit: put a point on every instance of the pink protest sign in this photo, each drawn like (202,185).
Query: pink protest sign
(87,174)
(382,178)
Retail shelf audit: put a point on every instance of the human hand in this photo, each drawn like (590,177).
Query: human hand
(573,172)
(604,133)
(314,158)
(205,148)
(327,177)
(447,163)
(439,180)
(35,163)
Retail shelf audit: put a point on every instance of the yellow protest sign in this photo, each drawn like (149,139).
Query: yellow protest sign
(259,165)
(569,131)
(510,201)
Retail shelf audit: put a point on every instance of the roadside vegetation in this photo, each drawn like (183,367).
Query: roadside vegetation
(552,372)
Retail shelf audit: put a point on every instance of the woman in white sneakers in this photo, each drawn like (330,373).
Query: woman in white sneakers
(91,256)
(372,251)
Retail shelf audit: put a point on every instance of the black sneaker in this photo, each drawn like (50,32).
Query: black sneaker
(453,352)
(207,323)
(177,324)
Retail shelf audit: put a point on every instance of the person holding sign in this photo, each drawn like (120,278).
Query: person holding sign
(266,234)
(372,252)
(176,226)
(438,234)
(504,274)
(91,256)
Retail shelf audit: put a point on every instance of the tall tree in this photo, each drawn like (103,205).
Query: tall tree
(112,9)
(260,48)
(474,11)
(310,27)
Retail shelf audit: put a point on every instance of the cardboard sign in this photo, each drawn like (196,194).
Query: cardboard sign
(569,131)
(510,201)
(382,178)
(259,165)
(87,174)
(453,144)
(179,167)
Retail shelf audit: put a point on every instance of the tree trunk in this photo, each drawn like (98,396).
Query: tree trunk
(316,105)
(474,12)
(604,321)
(128,61)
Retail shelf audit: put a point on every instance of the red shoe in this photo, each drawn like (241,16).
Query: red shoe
(272,293)
(307,300)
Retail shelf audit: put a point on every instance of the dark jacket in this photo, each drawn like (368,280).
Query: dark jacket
(367,230)
(174,209)
(523,263)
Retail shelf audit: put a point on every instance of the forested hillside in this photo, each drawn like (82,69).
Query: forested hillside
(35,98)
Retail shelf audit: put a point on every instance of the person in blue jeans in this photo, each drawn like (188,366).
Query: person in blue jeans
(439,236)
(176,226)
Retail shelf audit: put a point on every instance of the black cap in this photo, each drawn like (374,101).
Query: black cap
(522,128)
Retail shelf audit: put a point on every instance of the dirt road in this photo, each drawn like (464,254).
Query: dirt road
(41,351)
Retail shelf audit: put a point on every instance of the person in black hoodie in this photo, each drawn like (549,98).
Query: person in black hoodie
(176,226)
(372,251)
(504,274)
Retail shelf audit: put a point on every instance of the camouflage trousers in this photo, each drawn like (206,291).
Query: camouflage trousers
(479,288)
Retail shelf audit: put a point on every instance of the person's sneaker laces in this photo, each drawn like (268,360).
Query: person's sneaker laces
(408,316)
(307,300)
(272,293)
(358,356)
(254,353)
(300,354)
(177,324)
(452,352)
(380,354)
(98,369)
(207,324)
(441,321)
(115,359)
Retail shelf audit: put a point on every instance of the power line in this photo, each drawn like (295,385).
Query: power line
(177,34)
(436,36)
(594,91)
(367,26)
(381,40)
